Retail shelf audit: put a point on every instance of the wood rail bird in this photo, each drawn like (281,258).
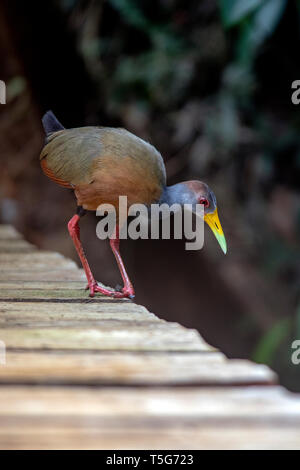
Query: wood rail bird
(102,163)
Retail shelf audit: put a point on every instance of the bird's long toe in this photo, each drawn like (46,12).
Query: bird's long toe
(121,293)
(126,291)
(103,290)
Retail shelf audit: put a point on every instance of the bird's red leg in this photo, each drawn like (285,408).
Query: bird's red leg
(74,231)
(127,290)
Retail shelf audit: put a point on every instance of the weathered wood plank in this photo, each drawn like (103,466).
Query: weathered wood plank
(51,314)
(38,260)
(73,293)
(237,418)
(28,435)
(15,246)
(199,437)
(131,369)
(156,336)
(40,286)
(219,404)
(7,232)
(46,275)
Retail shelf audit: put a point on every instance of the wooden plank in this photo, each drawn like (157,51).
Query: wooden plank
(40,285)
(52,294)
(38,314)
(29,435)
(156,336)
(7,232)
(38,260)
(15,246)
(131,369)
(46,275)
(113,418)
(120,403)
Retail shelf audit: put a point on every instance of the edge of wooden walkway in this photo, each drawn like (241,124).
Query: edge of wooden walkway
(85,373)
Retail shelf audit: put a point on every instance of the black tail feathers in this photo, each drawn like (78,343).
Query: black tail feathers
(51,123)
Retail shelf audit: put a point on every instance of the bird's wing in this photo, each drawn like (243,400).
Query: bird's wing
(71,156)
(68,155)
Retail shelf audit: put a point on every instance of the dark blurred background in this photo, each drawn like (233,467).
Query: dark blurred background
(209,84)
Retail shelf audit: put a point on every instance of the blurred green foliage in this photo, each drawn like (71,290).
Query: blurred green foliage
(256,20)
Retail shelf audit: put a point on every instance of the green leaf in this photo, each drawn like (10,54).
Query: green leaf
(266,19)
(234,11)
(256,28)
(131,13)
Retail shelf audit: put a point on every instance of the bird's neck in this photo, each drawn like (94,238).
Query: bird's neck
(177,194)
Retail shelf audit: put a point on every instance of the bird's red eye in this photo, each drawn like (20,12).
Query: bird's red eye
(204,201)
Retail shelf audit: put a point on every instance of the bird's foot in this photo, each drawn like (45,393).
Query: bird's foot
(127,291)
(119,294)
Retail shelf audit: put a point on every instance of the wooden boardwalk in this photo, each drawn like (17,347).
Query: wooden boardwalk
(101,373)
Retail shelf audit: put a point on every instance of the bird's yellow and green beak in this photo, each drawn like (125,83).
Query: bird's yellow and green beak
(213,221)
